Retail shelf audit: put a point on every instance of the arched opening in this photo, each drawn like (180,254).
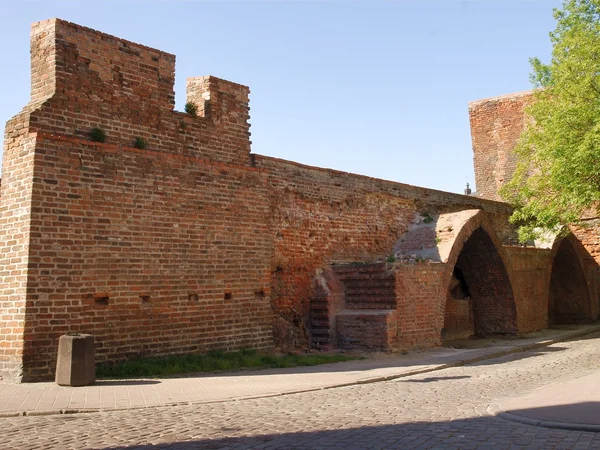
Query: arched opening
(569,297)
(479,299)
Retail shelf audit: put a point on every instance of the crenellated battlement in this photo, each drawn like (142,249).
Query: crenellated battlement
(83,79)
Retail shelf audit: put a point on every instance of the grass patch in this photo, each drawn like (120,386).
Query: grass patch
(213,361)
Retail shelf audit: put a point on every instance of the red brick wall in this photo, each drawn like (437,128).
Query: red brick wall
(179,245)
(175,238)
(323,216)
(531,280)
(458,319)
(194,243)
(368,330)
(419,290)
(496,124)
(15,207)
(98,80)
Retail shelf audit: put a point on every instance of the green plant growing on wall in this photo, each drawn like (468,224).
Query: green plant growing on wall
(391,259)
(191,109)
(140,143)
(557,180)
(97,135)
(427,218)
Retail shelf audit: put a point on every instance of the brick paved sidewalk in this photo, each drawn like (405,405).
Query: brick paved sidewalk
(48,398)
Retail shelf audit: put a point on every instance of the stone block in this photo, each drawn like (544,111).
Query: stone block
(75,365)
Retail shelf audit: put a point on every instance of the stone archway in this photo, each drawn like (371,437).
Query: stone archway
(568,297)
(474,294)
(479,296)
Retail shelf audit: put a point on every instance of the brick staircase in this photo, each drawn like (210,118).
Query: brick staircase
(354,291)
(320,334)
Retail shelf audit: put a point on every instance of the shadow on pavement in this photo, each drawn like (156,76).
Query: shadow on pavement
(584,413)
(430,379)
(519,355)
(471,433)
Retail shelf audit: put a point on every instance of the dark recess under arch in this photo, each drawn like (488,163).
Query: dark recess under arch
(480,299)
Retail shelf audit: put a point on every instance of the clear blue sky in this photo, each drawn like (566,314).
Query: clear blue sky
(373,87)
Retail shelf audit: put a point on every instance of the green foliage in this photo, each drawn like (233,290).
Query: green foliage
(140,143)
(557,180)
(427,218)
(211,362)
(391,259)
(97,135)
(191,109)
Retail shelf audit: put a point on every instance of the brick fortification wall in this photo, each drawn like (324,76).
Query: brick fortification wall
(496,124)
(152,251)
(323,216)
(192,243)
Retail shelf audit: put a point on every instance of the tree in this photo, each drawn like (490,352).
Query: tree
(557,179)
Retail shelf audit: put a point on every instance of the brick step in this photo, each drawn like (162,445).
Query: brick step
(369,281)
(370,307)
(320,332)
(365,286)
(319,320)
(368,274)
(367,299)
(371,293)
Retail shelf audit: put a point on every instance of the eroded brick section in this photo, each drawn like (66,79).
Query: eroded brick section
(368,320)
(367,286)
(496,124)
(322,217)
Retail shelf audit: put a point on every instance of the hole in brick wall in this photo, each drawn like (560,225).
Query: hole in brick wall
(193,297)
(145,298)
(278,269)
(260,294)
(228,296)
(101,299)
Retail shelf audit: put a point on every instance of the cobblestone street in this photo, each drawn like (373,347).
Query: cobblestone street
(442,409)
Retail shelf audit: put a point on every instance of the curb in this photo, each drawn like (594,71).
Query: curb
(434,368)
(498,412)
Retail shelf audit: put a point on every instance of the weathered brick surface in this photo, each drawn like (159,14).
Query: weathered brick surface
(179,246)
(153,251)
(193,243)
(419,288)
(323,217)
(496,124)
(368,330)
(531,282)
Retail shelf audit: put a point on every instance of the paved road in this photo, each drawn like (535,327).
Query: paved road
(444,409)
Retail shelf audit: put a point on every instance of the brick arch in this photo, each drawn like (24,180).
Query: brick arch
(569,299)
(477,268)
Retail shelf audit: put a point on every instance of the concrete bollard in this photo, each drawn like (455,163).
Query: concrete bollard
(75,365)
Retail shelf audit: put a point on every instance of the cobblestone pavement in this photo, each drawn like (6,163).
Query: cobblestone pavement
(444,409)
